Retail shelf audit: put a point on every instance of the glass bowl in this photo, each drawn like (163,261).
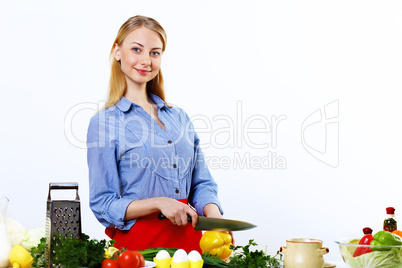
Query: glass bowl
(378,256)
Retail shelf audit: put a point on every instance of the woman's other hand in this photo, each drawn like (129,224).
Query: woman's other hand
(212,210)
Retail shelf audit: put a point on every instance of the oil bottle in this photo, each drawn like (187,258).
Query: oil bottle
(390,223)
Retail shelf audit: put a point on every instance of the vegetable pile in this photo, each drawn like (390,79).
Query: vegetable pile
(243,257)
(378,250)
(218,252)
(217,245)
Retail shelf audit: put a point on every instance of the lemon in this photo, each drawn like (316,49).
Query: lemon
(20,257)
(110,251)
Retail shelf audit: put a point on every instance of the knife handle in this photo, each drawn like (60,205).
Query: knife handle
(163,217)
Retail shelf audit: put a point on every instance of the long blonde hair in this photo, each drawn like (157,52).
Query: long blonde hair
(117,81)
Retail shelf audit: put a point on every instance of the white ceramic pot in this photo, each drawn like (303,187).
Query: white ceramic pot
(304,253)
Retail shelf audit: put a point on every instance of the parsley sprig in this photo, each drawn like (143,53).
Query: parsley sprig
(256,259)
(38,254)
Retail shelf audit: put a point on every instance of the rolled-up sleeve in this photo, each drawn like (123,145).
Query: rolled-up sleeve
(105,190)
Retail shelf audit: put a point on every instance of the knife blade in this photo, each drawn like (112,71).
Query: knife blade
(208,223)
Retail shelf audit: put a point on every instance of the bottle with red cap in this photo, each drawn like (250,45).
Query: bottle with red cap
(390,220)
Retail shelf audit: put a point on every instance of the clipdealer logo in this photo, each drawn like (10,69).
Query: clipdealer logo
(253,140)
(320,134)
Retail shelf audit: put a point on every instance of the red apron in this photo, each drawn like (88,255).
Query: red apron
(151,232)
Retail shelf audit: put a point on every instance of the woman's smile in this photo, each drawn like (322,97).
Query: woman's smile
(142,71)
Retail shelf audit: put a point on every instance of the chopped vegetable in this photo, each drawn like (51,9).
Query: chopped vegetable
(216,243)
(255,259)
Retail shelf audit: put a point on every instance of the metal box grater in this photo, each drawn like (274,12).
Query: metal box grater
(62,216)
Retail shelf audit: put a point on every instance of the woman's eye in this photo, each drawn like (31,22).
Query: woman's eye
(154,53)
(136,49)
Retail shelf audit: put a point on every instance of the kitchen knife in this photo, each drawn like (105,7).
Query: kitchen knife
(208,223)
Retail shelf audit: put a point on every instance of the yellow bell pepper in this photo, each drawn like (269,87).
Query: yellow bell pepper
(216,243)
(20,257)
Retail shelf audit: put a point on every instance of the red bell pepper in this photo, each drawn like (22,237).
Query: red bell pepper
(366,239)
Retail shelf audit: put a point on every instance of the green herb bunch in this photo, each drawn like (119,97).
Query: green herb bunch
(70,252)
(256,259)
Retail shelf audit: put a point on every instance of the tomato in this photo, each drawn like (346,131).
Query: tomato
(108,263)
(140,258)
(128,259)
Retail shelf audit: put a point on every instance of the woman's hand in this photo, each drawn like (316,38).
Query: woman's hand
(177,211)
(212,210)
(172,209)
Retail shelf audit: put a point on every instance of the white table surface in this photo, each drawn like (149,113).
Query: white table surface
(339,264)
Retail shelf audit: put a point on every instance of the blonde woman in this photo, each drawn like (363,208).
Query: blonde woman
(143,154)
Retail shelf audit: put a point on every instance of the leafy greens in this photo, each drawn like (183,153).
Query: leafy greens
(255,259)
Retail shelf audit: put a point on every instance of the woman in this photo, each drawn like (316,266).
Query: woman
(143,154)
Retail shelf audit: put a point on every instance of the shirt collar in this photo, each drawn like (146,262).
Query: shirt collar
(158,101)
(124,104)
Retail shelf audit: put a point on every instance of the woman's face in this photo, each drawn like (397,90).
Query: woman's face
(140,56)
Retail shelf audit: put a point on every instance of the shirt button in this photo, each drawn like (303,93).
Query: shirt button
(169,141)
(174,166)
(177,191)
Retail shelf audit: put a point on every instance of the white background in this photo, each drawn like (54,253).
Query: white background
(257,59)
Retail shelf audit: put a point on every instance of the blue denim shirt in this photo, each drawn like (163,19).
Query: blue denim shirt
(130,157)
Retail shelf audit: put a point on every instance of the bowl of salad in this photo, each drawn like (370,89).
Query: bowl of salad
(383,249)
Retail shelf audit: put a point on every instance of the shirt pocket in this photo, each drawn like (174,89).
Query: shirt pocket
(132,167)
(177,187)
